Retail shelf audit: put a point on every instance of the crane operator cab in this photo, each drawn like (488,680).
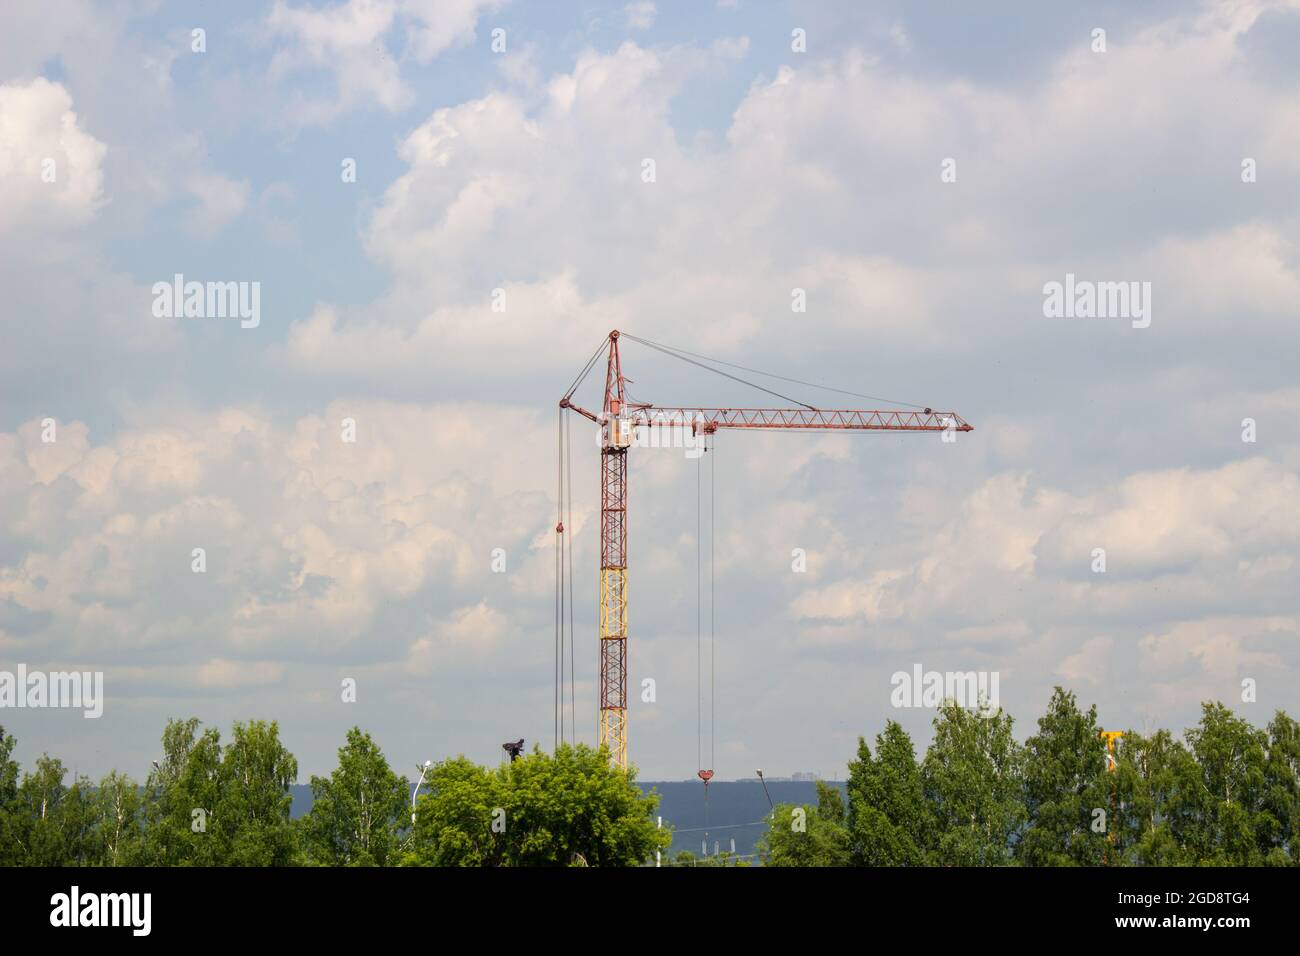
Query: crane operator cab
(617,430)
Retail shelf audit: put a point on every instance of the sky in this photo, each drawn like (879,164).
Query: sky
(444,205)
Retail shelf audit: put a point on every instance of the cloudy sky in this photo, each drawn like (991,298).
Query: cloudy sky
(920,170)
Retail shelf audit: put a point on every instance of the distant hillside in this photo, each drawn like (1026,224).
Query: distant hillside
(736,809)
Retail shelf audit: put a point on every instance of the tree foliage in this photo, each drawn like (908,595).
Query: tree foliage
(209,805)
(360,811)
(972,778)
(888,817)
(1226,794)
(808,835)
(1067,794)
(568,809)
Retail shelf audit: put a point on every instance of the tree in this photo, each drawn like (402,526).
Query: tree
(1232,756)
(972,780)
(359,811)
(1161,800)
(569,808)
(182,793)
(118,827)
(1280,802)
(44,822)
(253,807)
(887,814)
(1065,786)
(210,806)
(52,821)
(9,835)
(808,836)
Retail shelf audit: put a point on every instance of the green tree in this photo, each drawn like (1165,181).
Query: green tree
(182,794)
(973,784)
(1161,800)
(453,820)
(1232,756)
(1065,785)
(254,803)
(210,806)
(570,808)
(1280,802)
(10,846)
(887,814)
(359,811)
(118,827)
(807,835)
(54,821)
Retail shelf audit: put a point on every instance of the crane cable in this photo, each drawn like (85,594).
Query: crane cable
(675,354)
(706,774)
(568,464)
(559,581)
(681,354)
(564,556)
(559,568)
(564,626)
(586,369)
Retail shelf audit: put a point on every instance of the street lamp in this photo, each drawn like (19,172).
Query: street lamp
(416,791)
(765,793)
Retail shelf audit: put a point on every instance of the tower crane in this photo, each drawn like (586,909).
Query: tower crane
(619,419)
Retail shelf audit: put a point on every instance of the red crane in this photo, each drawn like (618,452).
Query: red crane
(619,420)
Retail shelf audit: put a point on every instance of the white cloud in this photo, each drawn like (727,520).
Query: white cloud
(227,674)
(219,201)
(1090,665)
(507,189)
(345,39)
(439,25)
(640,15)
(350,41)
(52,168)
(305,533)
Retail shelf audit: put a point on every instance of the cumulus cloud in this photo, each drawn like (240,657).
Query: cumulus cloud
(218,201)
(350,40)
(640,15)
(795,198)
(304,534)
(51,167)
(1018,546)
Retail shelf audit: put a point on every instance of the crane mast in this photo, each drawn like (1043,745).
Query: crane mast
(619,420)
(617,438)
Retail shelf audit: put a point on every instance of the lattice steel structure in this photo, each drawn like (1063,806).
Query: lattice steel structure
(613,602)
(619,421)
